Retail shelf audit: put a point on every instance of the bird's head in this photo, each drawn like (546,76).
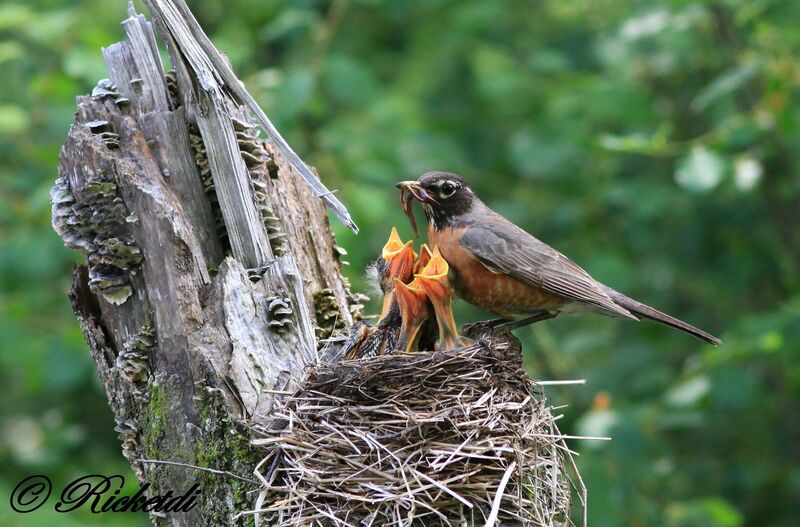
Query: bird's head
(397,261)
(399,257)
(444,197)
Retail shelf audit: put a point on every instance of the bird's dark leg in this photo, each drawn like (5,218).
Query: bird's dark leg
(494,322)
(511,325)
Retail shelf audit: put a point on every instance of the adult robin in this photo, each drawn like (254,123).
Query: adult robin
(501,268)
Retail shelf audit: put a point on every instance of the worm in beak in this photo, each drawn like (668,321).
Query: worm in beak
(410,190)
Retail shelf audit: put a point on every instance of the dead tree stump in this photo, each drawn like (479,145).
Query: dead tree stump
(210,270)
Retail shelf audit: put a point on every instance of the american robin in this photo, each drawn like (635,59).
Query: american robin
(501,268)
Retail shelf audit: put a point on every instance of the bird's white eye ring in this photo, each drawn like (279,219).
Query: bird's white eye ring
(447,189)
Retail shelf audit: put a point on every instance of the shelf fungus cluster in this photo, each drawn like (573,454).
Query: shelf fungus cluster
(103,129)
(203,168)
(260,164)
(133,360)
(328,317)
(173,92)
(129,435)
(417,298)
(279,309)
(106,88)
(98,225)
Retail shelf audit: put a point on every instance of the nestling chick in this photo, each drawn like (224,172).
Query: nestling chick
(396,265)
(416,314)
(433,281)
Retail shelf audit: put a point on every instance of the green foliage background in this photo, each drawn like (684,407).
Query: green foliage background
(655,142)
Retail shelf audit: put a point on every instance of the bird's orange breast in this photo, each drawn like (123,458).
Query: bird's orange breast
(495,292)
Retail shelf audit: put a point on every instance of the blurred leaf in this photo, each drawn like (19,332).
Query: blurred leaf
(645,25)
(498,77)
(706,512)
(548,61)
(15,16)
(701,170)
(13,120)
(10,51)
(290,21)
(688,392)
(537,155)
(349,81)
(656,144)
(725,84)
(87,65)
(597,423)
(747,172)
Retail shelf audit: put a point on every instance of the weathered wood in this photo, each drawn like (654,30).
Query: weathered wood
(170,144)
(320,271)
(247,234)
(215,75)
(148,64)
(135,67)
(192,325)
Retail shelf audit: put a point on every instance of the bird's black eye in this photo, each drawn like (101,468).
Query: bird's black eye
(448,189)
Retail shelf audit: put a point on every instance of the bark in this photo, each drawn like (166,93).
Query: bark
(211,271)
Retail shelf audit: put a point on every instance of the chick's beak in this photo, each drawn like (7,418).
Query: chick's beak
(399,256)
(416,190)
(399,259)
(414,312)
(433,280)
(425,256)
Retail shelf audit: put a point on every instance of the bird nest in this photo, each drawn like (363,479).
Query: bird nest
(460,437)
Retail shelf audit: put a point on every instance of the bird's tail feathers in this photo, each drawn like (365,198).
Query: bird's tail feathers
(645,311)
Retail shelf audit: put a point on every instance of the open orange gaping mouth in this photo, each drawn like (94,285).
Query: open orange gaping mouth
(425,256)
(412,301)
(437,267)
(399,256)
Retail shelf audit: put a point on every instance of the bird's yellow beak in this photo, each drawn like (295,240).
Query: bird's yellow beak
(436,268)
(396,247)
(425,256)
(433,280)
(400,259)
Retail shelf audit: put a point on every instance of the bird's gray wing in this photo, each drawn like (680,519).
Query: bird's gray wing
(505,248)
